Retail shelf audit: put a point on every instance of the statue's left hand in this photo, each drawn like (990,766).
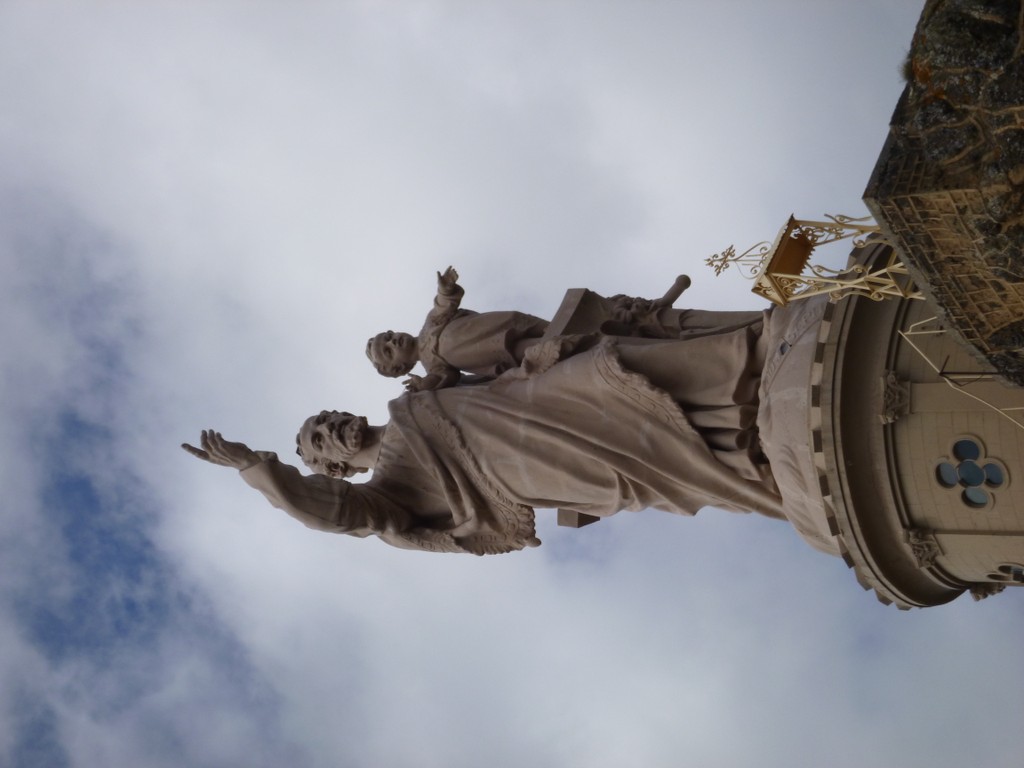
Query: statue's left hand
(224,453)
(447,280)
(414,383)
(422,383)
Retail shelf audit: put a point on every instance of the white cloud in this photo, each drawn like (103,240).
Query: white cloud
(240,194)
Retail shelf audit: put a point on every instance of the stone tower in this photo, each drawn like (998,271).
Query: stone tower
(921,402)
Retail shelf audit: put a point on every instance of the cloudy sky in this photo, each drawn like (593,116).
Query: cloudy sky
(205,210)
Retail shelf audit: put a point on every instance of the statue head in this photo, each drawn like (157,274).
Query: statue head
(392,354)
(327,441)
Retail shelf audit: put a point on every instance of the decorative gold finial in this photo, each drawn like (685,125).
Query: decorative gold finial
(778,268)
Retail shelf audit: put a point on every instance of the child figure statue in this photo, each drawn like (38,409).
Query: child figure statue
(454,340)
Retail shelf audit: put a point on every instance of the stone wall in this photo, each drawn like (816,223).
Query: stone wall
(948,188)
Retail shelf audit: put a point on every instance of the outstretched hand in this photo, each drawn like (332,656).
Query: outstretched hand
(447,280)
(216,450)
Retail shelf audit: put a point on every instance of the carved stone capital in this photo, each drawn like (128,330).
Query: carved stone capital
(981,591)
(895,397)
(924,546)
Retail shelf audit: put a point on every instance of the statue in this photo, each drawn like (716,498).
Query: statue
(586,423)
(657,319)
(453,340)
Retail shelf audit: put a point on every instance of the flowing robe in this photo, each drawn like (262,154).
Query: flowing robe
(462,469)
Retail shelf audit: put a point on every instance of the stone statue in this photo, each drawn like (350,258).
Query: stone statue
(453,340)
(587,423)
(657,319)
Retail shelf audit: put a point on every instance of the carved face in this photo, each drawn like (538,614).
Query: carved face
(392,354)
(328,440)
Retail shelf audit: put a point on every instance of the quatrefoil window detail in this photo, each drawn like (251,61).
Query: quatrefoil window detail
(1010,572)
(969,470)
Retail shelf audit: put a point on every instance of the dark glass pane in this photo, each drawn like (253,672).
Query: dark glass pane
(975,497)
(971,474)
(946,475)
(994,475)
(1011,572)
(966,450)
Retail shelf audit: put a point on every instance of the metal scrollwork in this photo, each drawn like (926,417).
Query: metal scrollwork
(782,270)
(749,262)
(839,227)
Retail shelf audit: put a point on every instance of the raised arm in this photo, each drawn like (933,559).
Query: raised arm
(317,501)
(448,298)
(224,453)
